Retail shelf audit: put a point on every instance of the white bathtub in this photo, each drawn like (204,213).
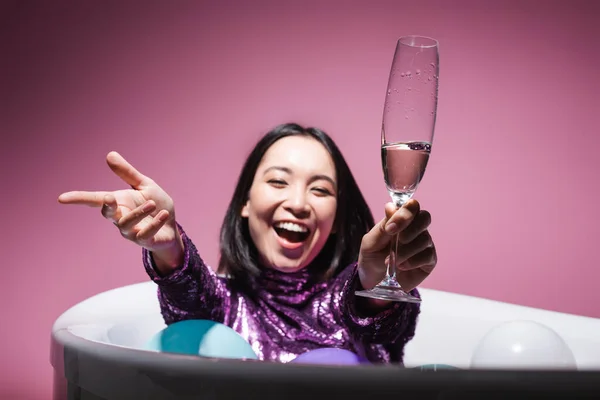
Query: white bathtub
(96,347)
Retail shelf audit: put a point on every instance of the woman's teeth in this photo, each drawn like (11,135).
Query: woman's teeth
(292,227)
(291,232)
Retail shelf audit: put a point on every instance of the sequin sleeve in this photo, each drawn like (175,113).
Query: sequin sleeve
(192,290)
(394,325)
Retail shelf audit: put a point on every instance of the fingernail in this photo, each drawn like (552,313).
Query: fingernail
(391,227)
(147,207)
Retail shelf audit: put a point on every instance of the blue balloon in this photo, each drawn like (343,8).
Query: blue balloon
(201,337)
(329,356)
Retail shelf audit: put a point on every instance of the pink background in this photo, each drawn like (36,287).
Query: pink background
(183,91)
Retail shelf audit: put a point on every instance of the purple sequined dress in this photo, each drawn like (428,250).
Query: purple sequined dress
(288,314)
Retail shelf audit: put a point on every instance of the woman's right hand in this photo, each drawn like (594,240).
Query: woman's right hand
(144,214)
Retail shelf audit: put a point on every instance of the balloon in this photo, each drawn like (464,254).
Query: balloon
(201,337)
(330,356)
(523,345)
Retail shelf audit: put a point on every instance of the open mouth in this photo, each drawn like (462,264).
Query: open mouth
(292,232)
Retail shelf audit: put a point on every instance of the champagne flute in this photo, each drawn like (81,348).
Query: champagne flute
(407,133)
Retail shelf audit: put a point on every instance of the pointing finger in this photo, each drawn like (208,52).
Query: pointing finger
(92,199)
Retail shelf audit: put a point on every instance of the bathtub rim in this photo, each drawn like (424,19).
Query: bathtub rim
(313,378)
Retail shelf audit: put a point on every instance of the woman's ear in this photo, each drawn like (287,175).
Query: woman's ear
(244,212)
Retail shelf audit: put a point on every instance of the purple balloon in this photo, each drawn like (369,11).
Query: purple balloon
(330,356)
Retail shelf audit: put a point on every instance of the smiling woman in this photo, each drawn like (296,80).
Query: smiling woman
(295,227)
(292,202)
(303,170)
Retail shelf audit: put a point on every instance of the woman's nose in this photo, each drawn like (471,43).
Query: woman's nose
(297,203)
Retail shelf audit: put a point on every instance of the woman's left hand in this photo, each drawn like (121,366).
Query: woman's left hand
(416,256)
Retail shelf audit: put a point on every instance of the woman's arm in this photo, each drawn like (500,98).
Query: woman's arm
(393,323)
(191,290)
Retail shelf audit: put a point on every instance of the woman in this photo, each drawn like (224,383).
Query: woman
(297,241)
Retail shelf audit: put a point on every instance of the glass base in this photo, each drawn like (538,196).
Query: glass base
(388,289)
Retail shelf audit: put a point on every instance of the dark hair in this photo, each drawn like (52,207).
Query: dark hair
(239,256)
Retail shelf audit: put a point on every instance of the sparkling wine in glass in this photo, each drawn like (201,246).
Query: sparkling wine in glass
(407,134)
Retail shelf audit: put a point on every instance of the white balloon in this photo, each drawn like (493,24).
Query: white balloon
(522,345)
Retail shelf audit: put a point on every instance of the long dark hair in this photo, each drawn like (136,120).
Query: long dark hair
(239,256)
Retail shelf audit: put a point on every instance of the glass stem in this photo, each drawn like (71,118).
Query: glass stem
(391,267)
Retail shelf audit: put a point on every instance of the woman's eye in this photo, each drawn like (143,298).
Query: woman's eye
(277,182)
(322,191)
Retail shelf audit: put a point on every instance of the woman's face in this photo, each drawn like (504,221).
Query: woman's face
(292,203)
